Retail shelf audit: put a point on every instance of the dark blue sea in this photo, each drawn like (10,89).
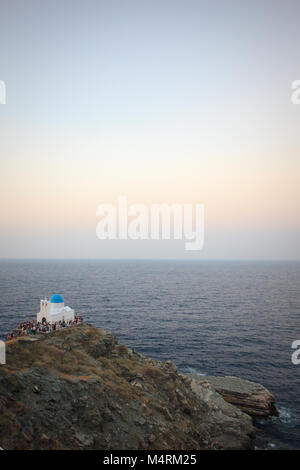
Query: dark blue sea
(209,317)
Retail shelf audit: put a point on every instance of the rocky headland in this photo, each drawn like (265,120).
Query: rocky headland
(250,397)
(78,389)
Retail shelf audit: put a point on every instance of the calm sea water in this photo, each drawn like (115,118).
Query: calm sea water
(233,318)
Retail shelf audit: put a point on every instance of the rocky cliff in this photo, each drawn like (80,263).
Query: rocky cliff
(78,389)
(250,397)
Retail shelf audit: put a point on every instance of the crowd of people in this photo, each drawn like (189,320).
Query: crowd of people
(32,327)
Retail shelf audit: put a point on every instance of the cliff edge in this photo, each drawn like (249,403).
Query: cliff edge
(78,389)
(250,397)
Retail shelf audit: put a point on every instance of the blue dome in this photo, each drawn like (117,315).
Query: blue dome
(56,299)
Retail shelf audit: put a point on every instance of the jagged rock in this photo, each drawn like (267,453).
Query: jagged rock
(250,397)
(227,426)
(77,388)
(84,439)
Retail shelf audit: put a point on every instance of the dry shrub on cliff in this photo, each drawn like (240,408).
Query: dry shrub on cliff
(153,372)
(130,366)
(122,349)
(11,427)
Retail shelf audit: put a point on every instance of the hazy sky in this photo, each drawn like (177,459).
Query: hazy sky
(162,101)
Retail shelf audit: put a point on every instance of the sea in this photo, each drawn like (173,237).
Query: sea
(236,318)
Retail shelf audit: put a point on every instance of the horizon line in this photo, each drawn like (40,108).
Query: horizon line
(153,259)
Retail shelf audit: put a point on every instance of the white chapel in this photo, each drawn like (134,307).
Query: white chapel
(54,310)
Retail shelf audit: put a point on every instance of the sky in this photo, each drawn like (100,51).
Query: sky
(162,101)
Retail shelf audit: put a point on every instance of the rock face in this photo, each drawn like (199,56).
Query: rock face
(250,397)
(230,428)
(78,389)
